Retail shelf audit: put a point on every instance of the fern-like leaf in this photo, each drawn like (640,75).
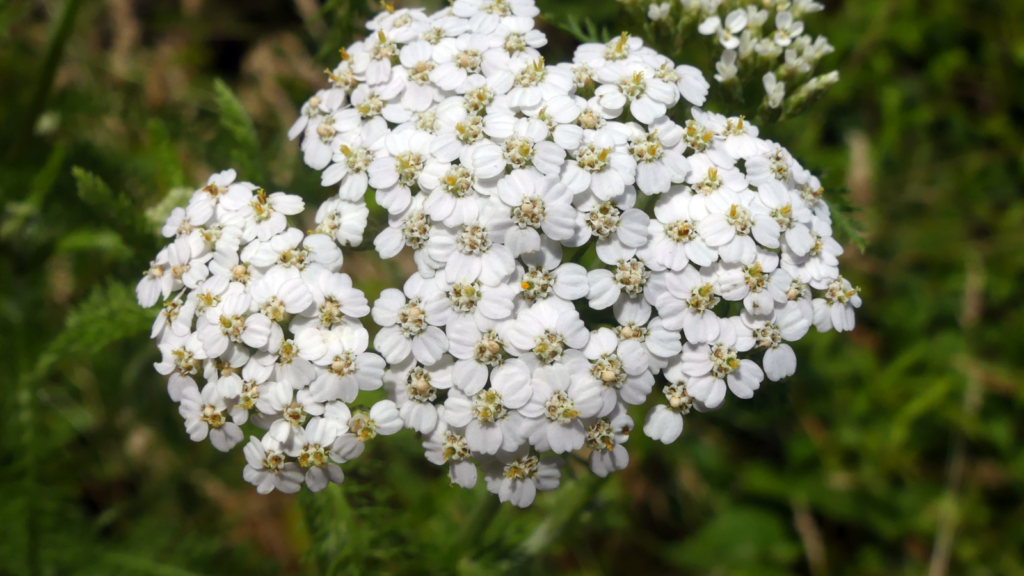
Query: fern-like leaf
(239,125)
(109,314)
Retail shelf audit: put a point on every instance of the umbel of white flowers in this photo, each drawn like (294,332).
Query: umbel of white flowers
(490,163)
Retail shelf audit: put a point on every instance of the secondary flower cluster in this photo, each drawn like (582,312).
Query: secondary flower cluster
(785,54)
(499,173)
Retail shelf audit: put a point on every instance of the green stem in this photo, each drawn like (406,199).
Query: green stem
(484,513)
(581,252)
(27,408)
(44,83)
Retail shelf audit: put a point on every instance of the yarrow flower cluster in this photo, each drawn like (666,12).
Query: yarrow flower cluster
(713,250)
(762,39)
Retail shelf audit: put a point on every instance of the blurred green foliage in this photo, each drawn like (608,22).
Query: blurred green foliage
(895,450)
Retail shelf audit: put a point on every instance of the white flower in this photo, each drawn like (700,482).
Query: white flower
(534,84)
(665,422)
(310,111)
(567,281)
(728,31)
(620,366)
(403,25)
(517,476)
(638,85)
(408,326)
(348,367)
(279,293)
(452,199)
(374,61)
(759,284)
(242,391)
(545,331)
(675,242)
(182,221)
(207,413)
(774,89)
(334,299)
(836,308)
(393,176)
(318,144)
(342,220)
(463,305)
(820,266)
(314,455)
(625,282)
(787,28)
(267,467)
(537,203)
(689,303)
(596,56)
(291,249)
(658,164)
(283,411)
(156,281)
(692,85)
(491,416)
(181,358)
(619,229)
(527,145)
(800,7)
(785,323)
(756,17)
(658,344)
(519,37)
(489,163)
(289,363)
(359,427)
(264,215)
(474,252)
(208,198)
(186,263)
(229,325)
(658,12)
(456,130)
(711,367)
(447,445)
(726,67)
(477,351)
(732,227)
(485,15)
(380,100)
(420,93)
(601,165)
(559,403)
(458,61)
(412,228)
(605,438)
(353,153)
(414,389)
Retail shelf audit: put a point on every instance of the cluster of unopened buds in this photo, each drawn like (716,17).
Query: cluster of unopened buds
(501,174)
(783,53)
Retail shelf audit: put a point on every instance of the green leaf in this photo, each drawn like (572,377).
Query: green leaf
(117,209)
(164,156)
(19,213)
(139,565)
(846,228)
(583,29)
(92,239)
(740,540)
(107,315)
(239,125)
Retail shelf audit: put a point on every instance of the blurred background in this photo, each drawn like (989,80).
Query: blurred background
(896,449)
